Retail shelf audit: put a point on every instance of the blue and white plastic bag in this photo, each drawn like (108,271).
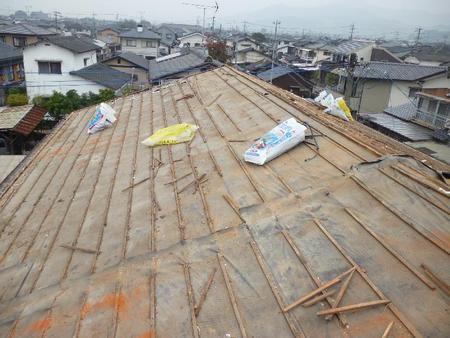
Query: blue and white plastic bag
(103,118)
(277,141)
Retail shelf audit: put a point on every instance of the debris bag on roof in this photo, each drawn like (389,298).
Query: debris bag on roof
(336,107)
(343,106)
(177,133)
(321,96)
(103,118)
(280,139)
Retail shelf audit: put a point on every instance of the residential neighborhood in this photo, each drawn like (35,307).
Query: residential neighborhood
(225,169)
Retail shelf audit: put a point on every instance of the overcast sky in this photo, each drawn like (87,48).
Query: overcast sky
(429,13)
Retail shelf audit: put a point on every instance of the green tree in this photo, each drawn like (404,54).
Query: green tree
(259,37)
(16,100)
(59,105)
(218,51)
(74,98)
(331,79)
(106,95)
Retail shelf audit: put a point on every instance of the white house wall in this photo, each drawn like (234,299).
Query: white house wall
(365,53)
(192,40)
(439,81)
(400,91)
(44,84)
(249,57)
(240,45)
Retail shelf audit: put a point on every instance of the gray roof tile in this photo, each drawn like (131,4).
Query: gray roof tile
(145,34)
(396,71)
(24,29)
(103,75)
(73,43)
(134,59)
(175,65)
(277,72)
(347,47)
(406,111)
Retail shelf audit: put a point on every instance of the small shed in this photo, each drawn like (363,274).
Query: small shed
(16,124)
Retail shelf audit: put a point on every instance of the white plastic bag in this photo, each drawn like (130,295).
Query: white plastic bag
(321,96)
(335,110)
(103,118)
(277,141)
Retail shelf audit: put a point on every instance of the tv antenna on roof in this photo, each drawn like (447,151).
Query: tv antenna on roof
(204,7)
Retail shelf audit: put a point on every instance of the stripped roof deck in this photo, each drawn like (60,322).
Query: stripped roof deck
(155,245)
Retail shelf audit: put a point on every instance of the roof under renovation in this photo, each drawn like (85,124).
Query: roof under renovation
(103,236)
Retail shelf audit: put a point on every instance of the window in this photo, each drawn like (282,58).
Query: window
(135,77)
(151,44)
(19,41)
(168,36)
(413,91)
(326,53)
(131,43)
(119,61)
(46,67)
(85,60)
(420,103)
(444,109)
(432,106)
(197,44)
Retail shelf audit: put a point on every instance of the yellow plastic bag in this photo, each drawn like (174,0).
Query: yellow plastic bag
(177,133)
(341,103)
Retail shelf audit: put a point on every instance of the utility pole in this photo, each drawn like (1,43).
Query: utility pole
(419,30)
(213,21)
(245,26)
(56,13)
(94,29)
(275,45)
(352,29)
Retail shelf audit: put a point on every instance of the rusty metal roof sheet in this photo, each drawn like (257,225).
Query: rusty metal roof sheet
(21,119)
(102,236)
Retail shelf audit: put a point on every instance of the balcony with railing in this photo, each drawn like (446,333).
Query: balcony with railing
(434,111)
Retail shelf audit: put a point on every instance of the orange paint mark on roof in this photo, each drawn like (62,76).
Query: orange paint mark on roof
(108,301)
(41,325)
(148,334)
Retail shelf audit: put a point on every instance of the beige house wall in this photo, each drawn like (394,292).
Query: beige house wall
(375,96)
(8,39)
(129,68)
